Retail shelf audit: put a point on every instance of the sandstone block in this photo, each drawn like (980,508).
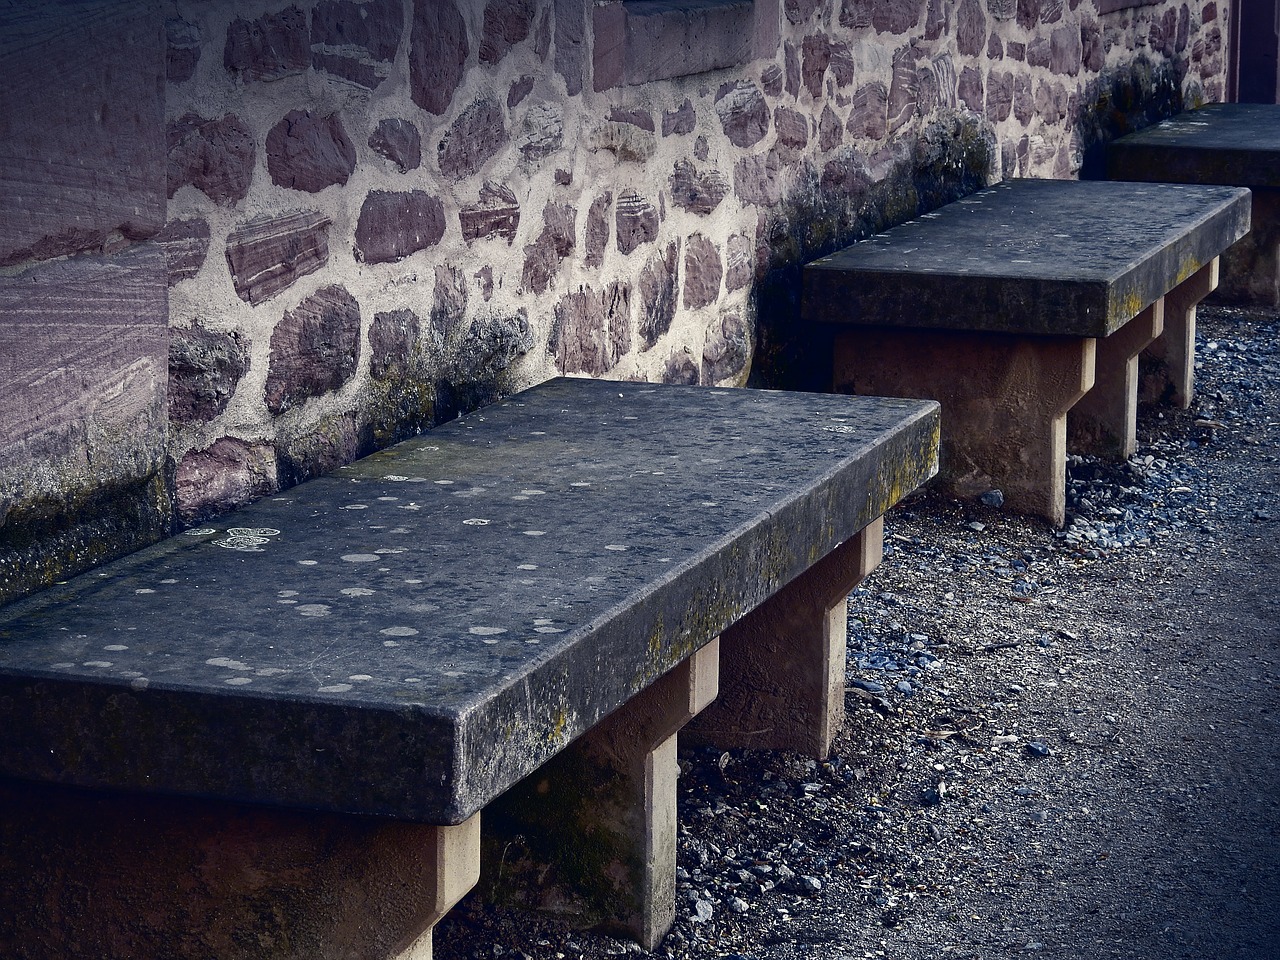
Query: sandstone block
(314,349)
(271,46)
(971,27)
(541,132)
(727,350)
(702,272)
(228,474)
(356,41)
(268,254)
(214,156)
(743,112)
(793,129)
(393,336)
(308,152)
(182,49)
(636,220)
(970,89)
(658,295)
(205,368)
(520,88)
(680,121)
(696,192)
(681,368)
(75,175)
(739,262)
(592,330)
(842,65)
(816,51)
(830,129)
(506,23)
(570,43)
(771,78)
(497,214)
(1066,52)
(758,180)
(398,141)
(472,139)
(393,225)
(449,302)
(597,233)
(869,115)
(438,49)
(185,244)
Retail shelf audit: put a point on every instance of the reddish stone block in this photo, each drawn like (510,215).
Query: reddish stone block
(592,331)
(1066,51)
(703,272)
(727,350)
(905,87)
(393,225)
(398,141)
(658,295)
(272,46)
(637,221)
(182,49)
(792,127)
(497,214)
(842,66)
(771,80)
(449,302)
(268,254)
(214,156)
(608,46)
(757,180)
(869,116)
(228,474)
(185,244)
(356,41)
(680,121)
(308,152)
(830,129)
(75,171)
(597,230)
(393,337)
(438,49)
(635,116)
(205,367)
(970,89)
(999,95)
(472,139)
(506,23)
(541,131)
(314,349)
(816,50)
(571,43)
(739,262)
(971,28)
(519,89)
(743,112)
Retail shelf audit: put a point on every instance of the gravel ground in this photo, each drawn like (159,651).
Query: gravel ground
(1059,743)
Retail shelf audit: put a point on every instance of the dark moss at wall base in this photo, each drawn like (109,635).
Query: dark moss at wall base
(47,541)
(839,206)
(1120,101)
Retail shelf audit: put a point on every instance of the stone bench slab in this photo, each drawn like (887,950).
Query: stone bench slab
(1223,143)
(1040,257)
(412,634)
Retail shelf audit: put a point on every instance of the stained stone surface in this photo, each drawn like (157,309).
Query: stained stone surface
(1228,143)
(268,254)
(416,631)
(1072,258)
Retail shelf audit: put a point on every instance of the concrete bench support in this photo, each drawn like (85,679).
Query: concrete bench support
(602,814)
(782,667)
(122,875)
(1004,403)
(1168,365)
(1251,268)
(1104,422)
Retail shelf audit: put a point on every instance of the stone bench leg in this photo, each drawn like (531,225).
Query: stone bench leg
(1251,265)
(782,666)
(125,875)
(1168,365)
(1004,403)
(594,829)
(1104,422)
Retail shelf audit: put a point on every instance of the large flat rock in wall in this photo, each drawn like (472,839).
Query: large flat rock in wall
(83,145)
(413,633)
(1227,143)
(1044,257)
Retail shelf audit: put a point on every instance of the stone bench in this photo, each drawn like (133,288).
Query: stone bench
(1018,304)
(274,736)
(1234,144)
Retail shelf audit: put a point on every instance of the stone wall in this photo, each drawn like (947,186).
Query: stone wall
(383,212)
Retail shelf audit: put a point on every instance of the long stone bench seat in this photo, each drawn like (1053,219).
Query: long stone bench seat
(1019,304)
(1234,144)
(274,735)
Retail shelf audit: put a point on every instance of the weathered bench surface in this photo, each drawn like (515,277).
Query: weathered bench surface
(1228,143)
(412,633)
(1048,257)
